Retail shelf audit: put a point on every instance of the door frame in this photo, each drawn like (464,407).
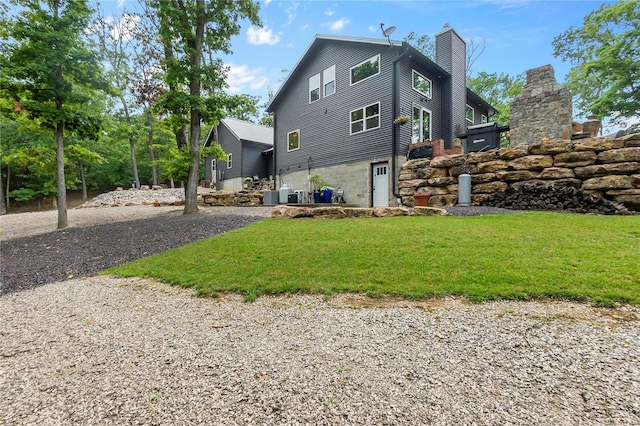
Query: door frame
(373,186)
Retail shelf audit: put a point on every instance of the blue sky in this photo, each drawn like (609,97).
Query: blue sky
(518,32)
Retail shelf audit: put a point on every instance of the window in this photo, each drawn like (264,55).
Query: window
(229,161)
(421,84)
(470,114)
(421,127)
(329,79)
(366,118)
(293,140)
(314,88)
(483,119)
(365,69)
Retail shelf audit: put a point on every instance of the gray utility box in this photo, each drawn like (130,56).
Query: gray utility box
(271,198)
(482,137)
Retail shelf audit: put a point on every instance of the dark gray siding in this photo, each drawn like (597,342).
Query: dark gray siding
(408,97)
(230,145)
(325,124)
(451,55)
(254,162)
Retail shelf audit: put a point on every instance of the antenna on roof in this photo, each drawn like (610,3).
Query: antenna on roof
(388,31)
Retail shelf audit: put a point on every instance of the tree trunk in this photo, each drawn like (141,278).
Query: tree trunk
(63,222)
(152,155)
(84,182)
(195,86)
(132,142)
(3,208)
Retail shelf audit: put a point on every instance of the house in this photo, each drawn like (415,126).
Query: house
(334,114)
(249,149)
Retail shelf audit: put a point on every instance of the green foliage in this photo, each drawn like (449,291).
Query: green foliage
(499,90)
(499,256)
(605,55)
(423,43)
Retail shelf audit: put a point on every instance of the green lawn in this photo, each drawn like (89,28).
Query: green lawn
(515,256)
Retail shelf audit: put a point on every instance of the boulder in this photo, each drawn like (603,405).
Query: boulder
(429,211)
(482,157)
(489,188)
(516,175)
(551,147)
(575,159)
(442,181)
(483,178)
(607,169)
(413,183)
(631,140)
(390,211)
(448,161)
(620,155)
(531,162)
(329,212)
(492,166)
(607,183)
(359,212)
(512,153)
(597,144)
(556,173)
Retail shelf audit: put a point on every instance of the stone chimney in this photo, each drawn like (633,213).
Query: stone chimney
(451,55)
(542,110)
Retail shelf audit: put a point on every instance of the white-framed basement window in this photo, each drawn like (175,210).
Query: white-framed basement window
(365,118)
(421,84)
(421,124)
(314,88)
(483,119)
(365,70)
(329,80)
(470,114)
(229,161)
(293,140)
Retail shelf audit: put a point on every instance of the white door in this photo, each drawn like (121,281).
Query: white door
(213,170)
(381,185)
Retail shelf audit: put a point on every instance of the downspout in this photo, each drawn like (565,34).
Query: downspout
(394,109)
(275,186)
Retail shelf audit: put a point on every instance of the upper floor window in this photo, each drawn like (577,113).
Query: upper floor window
(229,161)
(329,80)
(421,84)
(365,69)
(293,140)
(366,118)
(421,126)
(314,88)
(470,114)
(483,119)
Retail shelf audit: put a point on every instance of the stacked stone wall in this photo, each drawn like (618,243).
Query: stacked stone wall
(609,168)
(242,198)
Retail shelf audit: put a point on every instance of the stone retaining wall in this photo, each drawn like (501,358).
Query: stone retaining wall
(605,167)
(242,198)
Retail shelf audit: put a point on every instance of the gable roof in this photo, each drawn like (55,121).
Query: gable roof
(246,131)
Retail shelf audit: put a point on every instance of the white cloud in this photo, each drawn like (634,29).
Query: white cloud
(121,3)
(290,11)
(339,24)
(263,35)
(124,29)
(266,2)
(240,77)
(373,28)
(329,12)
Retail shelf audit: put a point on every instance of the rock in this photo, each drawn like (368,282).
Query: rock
(390,211)
(448,161)
(282,211)
(635,181)
(552,147)
(512,153)
(157,187)
(556,173)
(607,169)
(483,178)
(413,183)
(329,212)
(443,200)
(492,166)
(631,140)
(607,182)
(144,187)
(489,188)
(417,164)
(620,155)
(597,144)
(531,162)
(442,181)
(575,159)
(431,172)
(429,211)
(119,189)
(359,212)
(516,175)
(482,157)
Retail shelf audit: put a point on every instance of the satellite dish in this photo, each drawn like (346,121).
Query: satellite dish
(387,32)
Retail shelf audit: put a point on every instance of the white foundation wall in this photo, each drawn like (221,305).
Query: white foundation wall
(353,178)
(234,184)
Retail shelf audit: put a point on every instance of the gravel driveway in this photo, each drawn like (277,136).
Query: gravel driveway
(109,351)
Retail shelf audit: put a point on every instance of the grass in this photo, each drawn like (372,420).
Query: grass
(518,256)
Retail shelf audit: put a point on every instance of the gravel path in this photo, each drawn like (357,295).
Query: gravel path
(109,351)
(113,351)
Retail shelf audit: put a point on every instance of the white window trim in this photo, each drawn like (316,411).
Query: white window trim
(364,119)
(430,122)
(428,95)
(363,62)
(483,119)
(325,81)
(312,88)
(229,161)
(474,114)
(295,149)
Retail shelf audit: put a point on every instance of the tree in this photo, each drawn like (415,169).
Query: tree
(50,72)
(605,58)
(192,32)
(499,90)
